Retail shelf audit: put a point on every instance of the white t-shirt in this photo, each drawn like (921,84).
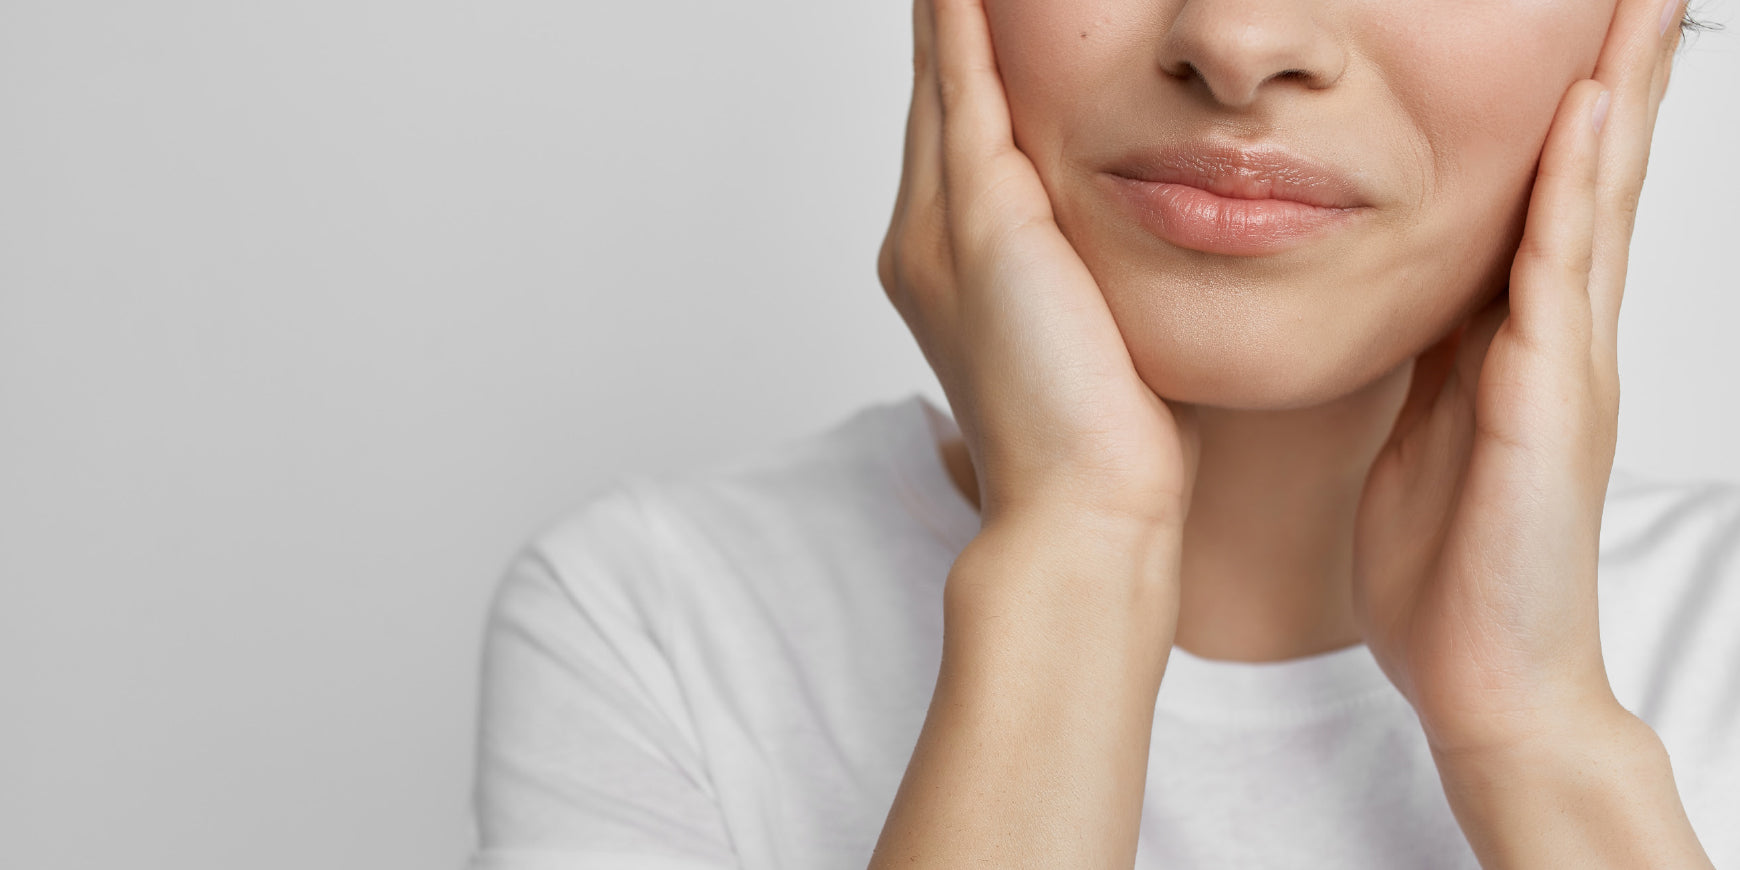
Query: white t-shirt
(730,667)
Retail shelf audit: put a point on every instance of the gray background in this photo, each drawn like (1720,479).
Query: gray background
(311,313)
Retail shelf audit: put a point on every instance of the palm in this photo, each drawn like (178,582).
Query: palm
(1006,311)
(1096,405)
(1477,538)
(1458,599)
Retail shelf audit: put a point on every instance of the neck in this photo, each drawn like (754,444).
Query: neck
(1267,564)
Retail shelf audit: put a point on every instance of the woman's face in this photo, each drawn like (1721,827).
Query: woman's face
(1434,111)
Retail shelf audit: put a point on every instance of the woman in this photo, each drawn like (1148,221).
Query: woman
(1270,522)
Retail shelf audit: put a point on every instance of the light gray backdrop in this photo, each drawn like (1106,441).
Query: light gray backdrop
(310,313)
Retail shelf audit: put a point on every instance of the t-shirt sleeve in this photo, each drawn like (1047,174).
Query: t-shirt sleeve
(586,757)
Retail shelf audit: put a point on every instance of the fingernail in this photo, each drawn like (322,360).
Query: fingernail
(1601,105)
(1668,14)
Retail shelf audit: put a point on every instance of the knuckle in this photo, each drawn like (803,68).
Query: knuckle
(896,264)
(1539,258)
(1625,203)
(885,264)
(1581,177)
(1624,196)
(1531,251)
(908,260)
(950,93)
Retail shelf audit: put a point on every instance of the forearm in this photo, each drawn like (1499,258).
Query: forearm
(1035,748)
(1604,798)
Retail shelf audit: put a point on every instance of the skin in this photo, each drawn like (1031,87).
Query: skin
(1401,435)
(1296,378)
(1295,382)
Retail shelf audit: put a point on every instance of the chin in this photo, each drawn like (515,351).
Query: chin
(1201,333)
(1276,373)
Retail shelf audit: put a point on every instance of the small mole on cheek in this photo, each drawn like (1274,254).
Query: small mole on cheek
(1084,34)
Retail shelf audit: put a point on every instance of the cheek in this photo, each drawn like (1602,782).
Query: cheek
(1477,85)
(1451,99)
(1480,82)
(1057,58)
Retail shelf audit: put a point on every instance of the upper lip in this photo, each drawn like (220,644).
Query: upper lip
(1268,172)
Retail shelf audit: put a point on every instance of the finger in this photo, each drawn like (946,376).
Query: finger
(1431,369)
(1477,338)
(923,160)
(1633,55)
(1634,63)
(916,242)
(975,111)
(1671,42)
(1549,280)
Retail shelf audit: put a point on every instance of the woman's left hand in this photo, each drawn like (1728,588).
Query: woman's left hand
(1478,531)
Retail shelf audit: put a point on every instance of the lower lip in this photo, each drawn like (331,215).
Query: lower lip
(1191,217)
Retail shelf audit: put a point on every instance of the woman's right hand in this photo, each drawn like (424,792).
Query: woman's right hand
(1036,372)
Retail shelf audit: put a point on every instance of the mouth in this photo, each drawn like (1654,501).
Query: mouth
(1232,201)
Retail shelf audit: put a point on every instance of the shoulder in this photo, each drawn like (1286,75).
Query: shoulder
(634,536)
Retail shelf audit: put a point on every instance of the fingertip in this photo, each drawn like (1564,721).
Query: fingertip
(1575,140)
(1670,11)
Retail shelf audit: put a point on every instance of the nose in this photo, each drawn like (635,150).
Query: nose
(1241,49)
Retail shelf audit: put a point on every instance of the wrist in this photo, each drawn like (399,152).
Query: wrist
(1567,739)
(1600,794)
(1068,581)
(1084,551)
(1517,721)
(1098,532)
(1092,508)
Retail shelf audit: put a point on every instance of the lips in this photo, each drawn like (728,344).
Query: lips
(1237,202)
(1245,173)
